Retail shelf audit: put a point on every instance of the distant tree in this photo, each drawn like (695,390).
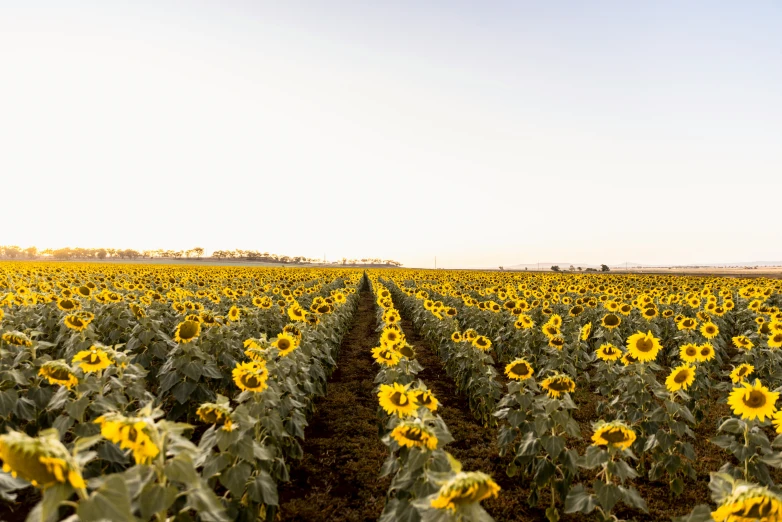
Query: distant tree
(556,268)
(31,252)
(572,268)
(604,268)
(101,253)
(501,268)
(199,252)
(580,269)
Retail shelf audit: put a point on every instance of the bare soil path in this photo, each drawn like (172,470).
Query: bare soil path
(337,480)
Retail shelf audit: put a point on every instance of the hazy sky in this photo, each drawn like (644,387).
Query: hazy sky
(483,133)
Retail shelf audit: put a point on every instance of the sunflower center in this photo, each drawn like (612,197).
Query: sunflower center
(399,398)
(283,344)
(681,377)
(691,351)
(611,320)
(520,369)
(414,435)
(644,345)
(754,399)
(705,352)
(251,381)
(188,330)
(93,358)
(614,436)
(60,374)
(560,385)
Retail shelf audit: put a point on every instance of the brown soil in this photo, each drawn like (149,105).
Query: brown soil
(338,477)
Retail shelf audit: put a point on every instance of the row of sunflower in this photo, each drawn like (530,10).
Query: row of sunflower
(142,393)
(428,482)
(656,354)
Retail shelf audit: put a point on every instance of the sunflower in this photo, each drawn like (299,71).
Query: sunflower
(643,346)
(705,352)
(519,370)
(649,313)
(482,343)
(386,356)
(686,323)
(286,343)
(709,330)
(524,322)
(234,314)
(43,460)
(465,488)
(775,341)
(689,352)
(396,399)
(557,385)
(17,339)
(251,376)
(212,413)
(75,322)
(68,305)
(470,335)
(557,342)
(391,316)
(186,331)
(93,360)
(752,401)
(680,378)
(297,313)
(585,331)
(608,352)
(743,342)
(391,337)
(426,398)
(58,372)
(456,337)
(133,433)
(741,372)
(749,503)
(405,350)
(610,321)
(549,330)
(413,433)
(614,434)
(628,359)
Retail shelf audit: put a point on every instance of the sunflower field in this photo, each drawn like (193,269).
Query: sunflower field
(162,393)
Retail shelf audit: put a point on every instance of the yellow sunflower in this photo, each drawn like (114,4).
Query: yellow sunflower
(705,352)
(133,433)
(585,331)
(297,313)
(219,414)
(391,316)
(519,370)
(286,344)
(749,503)
(608,352)
(558,384)
(741,372)
(413,433)
(614,434)
(93,360)
(68,305)
(687,323)
(524,322)
(251,376)
(75,322)
(186,331)
(386,356)
(456,337)
(482,343)
(775,340)
(396,399)
(58,372)
(43,461)
(234,314)
(643,346)
(680,378)
(753,401)
(17,339)
(709,330)
(689,353)
(426,398)
(465,488)
(743,342)
(611,321)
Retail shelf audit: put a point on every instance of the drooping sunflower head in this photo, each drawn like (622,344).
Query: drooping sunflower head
(557,342)
(293,330)
(396,399)
(643,346)
(251,376)
(93,360)
(214,413)
(482,343)
(741,372)
(749,503)
(426,398)
(68,305)
(680,378)
(76,322)
(742,342)
(405,350)
(519,370)
(297,313)
(549,330)
(465,488)
(186,331)
(138,434)
(41,460)
(286,343)
(608,352)
(386,356)
(414,433)
(17,339)
(58,373)
(611,321)
(753,401)
(615,434)
(524,322)
(585,331)
(557,385)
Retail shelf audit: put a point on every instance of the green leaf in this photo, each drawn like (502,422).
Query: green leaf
(235,478)
(553,445)
(607,494)
(156,498)
(110,502)
(181,469)
(579,501)
(8,400)
(267,487)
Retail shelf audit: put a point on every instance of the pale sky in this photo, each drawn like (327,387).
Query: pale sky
(483,133)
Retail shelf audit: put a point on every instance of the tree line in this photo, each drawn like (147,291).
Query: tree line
(16,252)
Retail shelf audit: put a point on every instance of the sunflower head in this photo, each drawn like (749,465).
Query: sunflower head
(58,373)
(251,376)
(216,413)
(680,378)
(465,488)
(709,330)
(76,322)
(742,342)
(611,321)
(41,460)
(456,337)
(482,343)
(608,352)
(519,370)
(414,433)
(16,338)
(138,434)
(753,401)
(585,331)
(705,352)
(614,434)
(741,372)
(749,503)
(286,343)
(397,399)
(643,346)
(557,342)
(524,322)
(386,356)
(186,331)
(93,360)
(558,384)
(426,398)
